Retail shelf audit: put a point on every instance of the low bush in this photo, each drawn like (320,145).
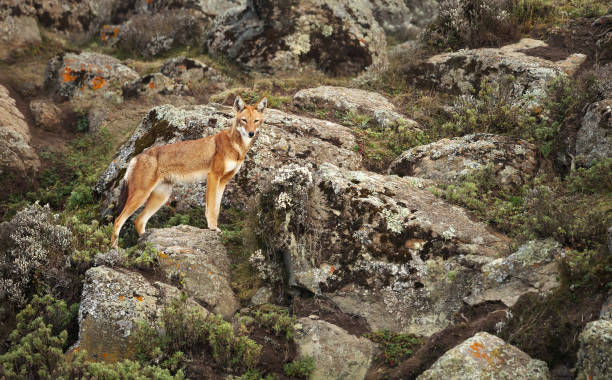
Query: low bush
(395,347)
(301,368)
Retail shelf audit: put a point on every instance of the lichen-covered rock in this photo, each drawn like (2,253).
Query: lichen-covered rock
(339,37)
(198,260)
(16,153)
(594,138)
(190,71)
(353,100)
(532,268)
(403,19)
(113,301)
(46,114)
(463,71)
(262,296)
(285,138)
(595,353)
(384,242)
(17,33)
(513,161)
(156,83)
(86,74)
(336,353)
(485,356)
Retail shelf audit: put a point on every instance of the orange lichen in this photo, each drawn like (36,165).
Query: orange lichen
(68,76)
(210,273)
(476,351)
(138,298)
(97,82)
(162,255)
(151,85)
(332,269)
(182,67)
(121,298)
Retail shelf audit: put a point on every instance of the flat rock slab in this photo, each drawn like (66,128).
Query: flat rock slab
(113,301)
(197,259)
(595,353)
(513,161)
(485,356)
(285,138)
(352,100)
(337,354)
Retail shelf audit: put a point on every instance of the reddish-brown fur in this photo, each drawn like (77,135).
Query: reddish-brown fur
(152,173)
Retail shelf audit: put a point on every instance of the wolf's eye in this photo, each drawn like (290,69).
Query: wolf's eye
(257,120)
(244,119)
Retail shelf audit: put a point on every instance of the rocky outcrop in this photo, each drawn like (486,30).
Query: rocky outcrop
(534,267)
(362,238)
(17,33)
(16,153)
(281,35)
(403,19)
(113,301)
(463,71)
(285,138)
(352,100)
(196,259)
(594,138)
(190,71)
(485,356)
(337,354)
(595,353)
(513,161)
(85,75)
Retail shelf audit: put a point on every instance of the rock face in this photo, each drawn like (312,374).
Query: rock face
(595,353)
(351,100)
(464,70)
(448,160)
(403,19)
(86,74)
(17,33)
(594,138)
(198,260)
(362,238)
(337,354)
(485,356)
(112,302)
(285,138)
(16,154)
(532,268)
(279,35)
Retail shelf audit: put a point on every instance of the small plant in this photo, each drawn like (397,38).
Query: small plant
(301,368)
(396,347)
(141,257)
(277,319)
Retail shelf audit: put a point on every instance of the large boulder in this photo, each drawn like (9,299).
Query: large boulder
(17,33)
(113,301)
(353,100)
(381,247)
(513,161)
(198,260)
(16,153)
(595,353)
(463,71)
(534,267)
(285,138)
(337,354)
(339,37)
(594,137)
(485,356)
(86,74)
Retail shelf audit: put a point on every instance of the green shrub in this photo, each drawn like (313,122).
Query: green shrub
(277,319)
(301,368)
(396,347)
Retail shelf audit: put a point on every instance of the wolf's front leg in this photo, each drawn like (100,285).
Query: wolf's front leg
(212,212)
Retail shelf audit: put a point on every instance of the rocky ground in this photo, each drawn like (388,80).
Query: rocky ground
(430,197)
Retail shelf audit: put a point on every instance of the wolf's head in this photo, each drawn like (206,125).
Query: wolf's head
(249,118)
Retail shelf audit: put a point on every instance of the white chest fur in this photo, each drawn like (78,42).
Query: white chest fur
(231,165)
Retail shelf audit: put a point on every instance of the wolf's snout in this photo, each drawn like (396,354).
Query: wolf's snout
(251,134)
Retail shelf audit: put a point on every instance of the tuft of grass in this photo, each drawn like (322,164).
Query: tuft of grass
(395,347)
(301,368)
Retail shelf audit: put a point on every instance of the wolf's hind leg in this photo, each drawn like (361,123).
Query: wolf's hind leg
(158,198)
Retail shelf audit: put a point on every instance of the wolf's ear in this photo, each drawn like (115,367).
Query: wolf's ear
(262,105)
(239,104)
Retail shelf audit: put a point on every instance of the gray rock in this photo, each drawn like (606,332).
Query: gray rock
(191,71)
(86,75)
(463,71)
(111,304)
(353,100)
(403,19)
(17,33)
(485,356)
(285,138)
(16,153)
(337,354)
(594,138)
(196,259)
(448,160)
(338,37)
(363,238)
(532,268)
(595,353)
(46,114)
(156,83)
(262,296)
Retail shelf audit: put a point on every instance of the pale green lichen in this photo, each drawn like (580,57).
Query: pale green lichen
(396,220)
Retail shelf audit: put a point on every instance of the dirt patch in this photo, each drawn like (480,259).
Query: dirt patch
(330,312)
(275,353)
(468,321)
